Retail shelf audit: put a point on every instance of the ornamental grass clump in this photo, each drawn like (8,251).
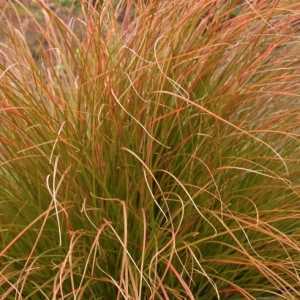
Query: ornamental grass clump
(151,151)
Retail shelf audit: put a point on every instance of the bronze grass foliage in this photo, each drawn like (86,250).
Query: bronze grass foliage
(153,156)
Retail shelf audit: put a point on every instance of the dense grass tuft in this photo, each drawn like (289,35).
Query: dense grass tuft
(151,151)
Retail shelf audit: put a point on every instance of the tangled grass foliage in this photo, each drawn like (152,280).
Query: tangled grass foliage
(152,153)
